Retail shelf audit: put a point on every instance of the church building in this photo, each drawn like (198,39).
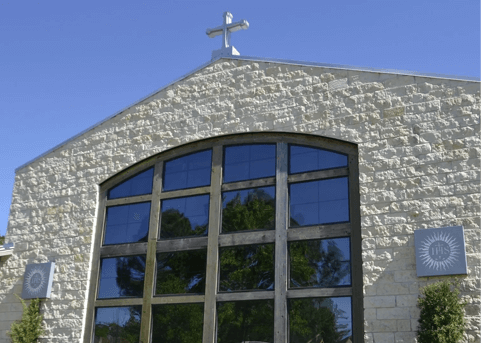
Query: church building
(254,200)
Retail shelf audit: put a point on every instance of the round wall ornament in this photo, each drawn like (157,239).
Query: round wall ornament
(37,281)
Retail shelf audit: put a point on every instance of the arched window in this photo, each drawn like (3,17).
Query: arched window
(252,237)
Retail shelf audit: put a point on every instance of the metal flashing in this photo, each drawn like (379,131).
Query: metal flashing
(254,59)
(6,251)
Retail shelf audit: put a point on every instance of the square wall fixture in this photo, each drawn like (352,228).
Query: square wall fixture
(440,251)
(37,281)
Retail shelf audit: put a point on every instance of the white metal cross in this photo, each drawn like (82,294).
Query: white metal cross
(226,29)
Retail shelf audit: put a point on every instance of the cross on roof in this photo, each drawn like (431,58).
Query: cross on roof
(226,29)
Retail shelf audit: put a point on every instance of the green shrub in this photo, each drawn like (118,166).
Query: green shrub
(2,240)
(29,328)
(442,313)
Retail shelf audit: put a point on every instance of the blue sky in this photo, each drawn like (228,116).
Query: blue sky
(66,65)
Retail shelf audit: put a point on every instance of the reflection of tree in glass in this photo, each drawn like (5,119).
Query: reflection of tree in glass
(257,212)
(244,321)
(181,272)
(179,323)
(175,224)
(115,333)
(314,266)
(247,267)
(130,275)
(130,280)
(315,320)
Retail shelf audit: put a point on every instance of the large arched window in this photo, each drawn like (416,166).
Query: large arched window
(252,237)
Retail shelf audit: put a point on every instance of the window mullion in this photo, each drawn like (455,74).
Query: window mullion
(212,247)
(151,251)
(280,302)
(94,273)
(356,250)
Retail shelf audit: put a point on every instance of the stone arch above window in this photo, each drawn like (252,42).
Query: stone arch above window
(256,231)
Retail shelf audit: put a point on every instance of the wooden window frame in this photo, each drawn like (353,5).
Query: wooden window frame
(215,240)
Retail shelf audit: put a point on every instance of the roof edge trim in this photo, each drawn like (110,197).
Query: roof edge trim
(356,68)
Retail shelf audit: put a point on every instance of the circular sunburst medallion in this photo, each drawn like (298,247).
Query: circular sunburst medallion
(35,281)
(439,251)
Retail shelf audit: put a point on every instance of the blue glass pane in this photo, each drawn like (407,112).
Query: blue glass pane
(177,323)
(182,217)
(319,202)
(122,277)
(188,171)
(320,263)
(249,209)
(246,267)
(181,272)
(246,321)
(246,162)
(320,320)
(137,185)
(117,324)
(127,223)
(303,159)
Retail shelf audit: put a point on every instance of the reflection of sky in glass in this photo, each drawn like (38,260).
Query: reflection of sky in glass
(109,287)
(304,159)
(127,223)
(118,315)
(195,208)
(188,171)
(137,185)
(246,162)
(344,314)
(319,202)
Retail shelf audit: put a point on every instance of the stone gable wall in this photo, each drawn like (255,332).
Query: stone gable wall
(419,161)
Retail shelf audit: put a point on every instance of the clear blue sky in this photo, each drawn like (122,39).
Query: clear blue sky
(66,65)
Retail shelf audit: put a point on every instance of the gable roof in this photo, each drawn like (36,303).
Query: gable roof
(257,59)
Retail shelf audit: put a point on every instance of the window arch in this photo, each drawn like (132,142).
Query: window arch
(251,237)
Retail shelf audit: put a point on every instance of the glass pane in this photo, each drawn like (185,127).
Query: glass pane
(181,272)
(320,263)
(182,217)
(245,321)
(247,267)
(249,209)
(117,324)
(319,202)
(136,185)
(303,159)
(179,323)
(246,162)
(188,171)
(320,320)
(127,223)
(122,277)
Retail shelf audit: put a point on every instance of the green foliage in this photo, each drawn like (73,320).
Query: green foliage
(178,323)
(29,328)
(314,320)
(442,314)
(256,212)
(2,240)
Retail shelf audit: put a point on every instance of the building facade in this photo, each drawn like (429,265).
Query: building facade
(295,189)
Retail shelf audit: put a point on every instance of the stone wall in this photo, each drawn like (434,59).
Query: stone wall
(419,155)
